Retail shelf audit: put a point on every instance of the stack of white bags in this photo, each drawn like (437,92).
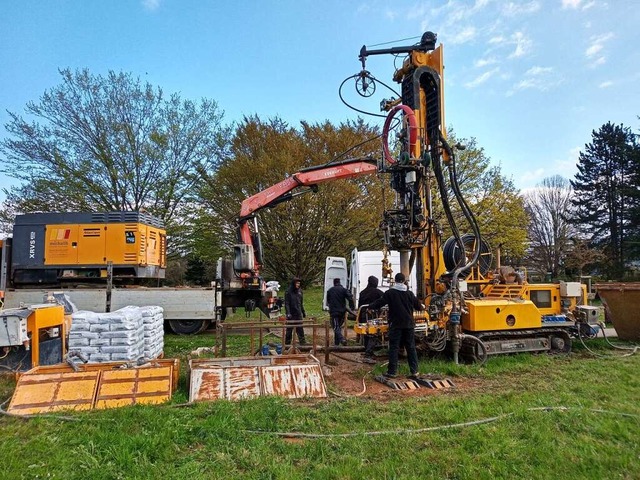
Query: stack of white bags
(118,336)
(153,331)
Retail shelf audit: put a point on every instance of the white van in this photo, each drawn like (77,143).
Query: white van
(362,265)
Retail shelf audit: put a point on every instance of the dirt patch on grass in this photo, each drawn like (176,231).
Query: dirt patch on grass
(347,375)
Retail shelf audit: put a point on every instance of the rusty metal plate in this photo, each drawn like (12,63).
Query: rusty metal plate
(293,381)
(118,388)
(50,392)
(290,376)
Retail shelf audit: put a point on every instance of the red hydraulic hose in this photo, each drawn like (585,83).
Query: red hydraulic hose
(413,130)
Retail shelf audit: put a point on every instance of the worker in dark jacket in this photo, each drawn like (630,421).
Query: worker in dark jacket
(337,297)
(402,302)
(370,294)
(294,308)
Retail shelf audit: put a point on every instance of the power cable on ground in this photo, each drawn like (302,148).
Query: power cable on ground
(435,428)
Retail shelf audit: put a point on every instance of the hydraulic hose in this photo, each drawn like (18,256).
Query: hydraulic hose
(480,343)
(465,210)
(413,130)
(442,189)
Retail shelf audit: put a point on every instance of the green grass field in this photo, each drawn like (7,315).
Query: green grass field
(590,430)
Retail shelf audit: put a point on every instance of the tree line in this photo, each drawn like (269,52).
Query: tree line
(589,225)
(102,143)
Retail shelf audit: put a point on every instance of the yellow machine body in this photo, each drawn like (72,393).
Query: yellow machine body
(91,244)
(490,315)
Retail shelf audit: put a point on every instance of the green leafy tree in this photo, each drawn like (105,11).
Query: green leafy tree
(493,199)
(550,232)
(606,194)
(102,143)
(297,235)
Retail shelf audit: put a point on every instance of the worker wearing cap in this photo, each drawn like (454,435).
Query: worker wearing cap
(402,302)
(337,299)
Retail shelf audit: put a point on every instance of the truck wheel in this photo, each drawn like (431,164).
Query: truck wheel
(188,327)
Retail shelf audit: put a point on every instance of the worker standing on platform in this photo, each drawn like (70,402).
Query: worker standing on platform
(337,297)
(402,302)
(294,308)
(370,294)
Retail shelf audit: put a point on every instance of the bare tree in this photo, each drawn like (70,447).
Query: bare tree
(549,231)
(110,143)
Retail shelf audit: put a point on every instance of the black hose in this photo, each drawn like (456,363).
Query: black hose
(480,343)
(374,80)
(465,210)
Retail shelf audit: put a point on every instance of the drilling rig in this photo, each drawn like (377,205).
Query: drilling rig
(474,308)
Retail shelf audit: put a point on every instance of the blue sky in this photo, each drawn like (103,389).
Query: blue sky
(529,79)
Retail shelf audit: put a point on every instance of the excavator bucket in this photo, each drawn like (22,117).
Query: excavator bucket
(290,376)
(94,386)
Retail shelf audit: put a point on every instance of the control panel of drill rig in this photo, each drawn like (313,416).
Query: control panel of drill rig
(473,310)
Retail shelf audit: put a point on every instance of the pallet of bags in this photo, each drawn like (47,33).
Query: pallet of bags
(106,337)
(153,326)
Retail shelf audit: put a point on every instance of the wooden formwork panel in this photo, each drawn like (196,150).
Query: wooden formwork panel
(107,385)
(50,392)
(134,386)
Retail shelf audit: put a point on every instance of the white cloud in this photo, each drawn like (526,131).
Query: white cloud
(606,84)
(536,71)
(418,12)
(484,62)
(151,5)
(391,15)
(567,166)
(537,78)
(573,4)
(451,14)
(532,176)
(512,9)
(604,38)
(480,79)
(582,5)
(519,40)
(465,35)
(594,49)
(523,45)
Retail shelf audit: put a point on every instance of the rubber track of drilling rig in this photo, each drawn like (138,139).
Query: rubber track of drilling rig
(468,351)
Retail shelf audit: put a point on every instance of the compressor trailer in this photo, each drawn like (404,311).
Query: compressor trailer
(99,260)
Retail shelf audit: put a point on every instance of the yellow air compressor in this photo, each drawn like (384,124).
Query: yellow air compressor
(51,248)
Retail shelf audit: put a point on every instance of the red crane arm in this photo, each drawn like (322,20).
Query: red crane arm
(308,177)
